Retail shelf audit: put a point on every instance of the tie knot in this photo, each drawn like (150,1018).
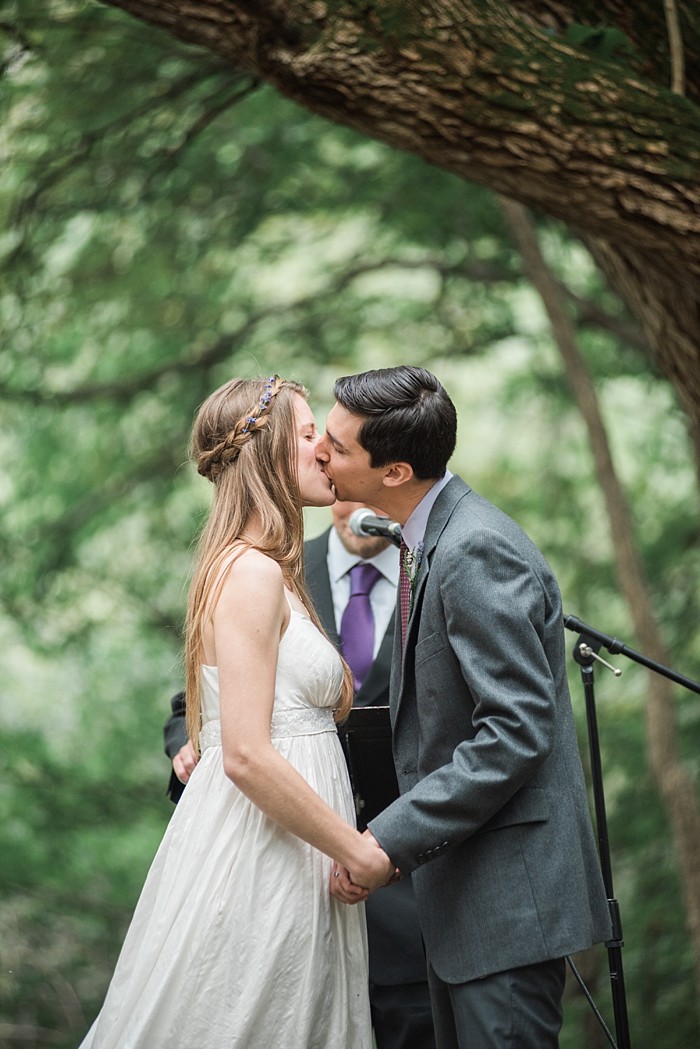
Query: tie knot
(362,578)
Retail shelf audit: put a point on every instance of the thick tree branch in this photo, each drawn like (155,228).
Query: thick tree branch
(513,97)
(494,100)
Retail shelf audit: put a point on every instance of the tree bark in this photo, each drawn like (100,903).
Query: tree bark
(499,95)
(674,782)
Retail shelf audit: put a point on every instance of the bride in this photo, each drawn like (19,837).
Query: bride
(236,942)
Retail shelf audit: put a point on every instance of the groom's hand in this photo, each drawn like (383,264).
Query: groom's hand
(394,872)
(371,867)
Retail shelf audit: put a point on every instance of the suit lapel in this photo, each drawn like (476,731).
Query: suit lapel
(440,514)
(316,575)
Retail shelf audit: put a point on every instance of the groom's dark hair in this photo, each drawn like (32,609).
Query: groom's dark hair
(408,417)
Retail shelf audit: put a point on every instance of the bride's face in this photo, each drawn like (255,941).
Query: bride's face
(314,487)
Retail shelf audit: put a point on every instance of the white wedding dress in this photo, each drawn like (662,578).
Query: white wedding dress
(235,942)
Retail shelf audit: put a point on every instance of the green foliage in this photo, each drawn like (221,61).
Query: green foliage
(167,223)
(74,849)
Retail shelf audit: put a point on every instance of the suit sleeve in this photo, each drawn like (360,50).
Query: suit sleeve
(486,698)
(174,737)
(174,729)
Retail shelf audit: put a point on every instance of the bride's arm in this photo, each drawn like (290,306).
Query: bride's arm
(248,621)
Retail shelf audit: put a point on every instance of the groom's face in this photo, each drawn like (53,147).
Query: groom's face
(346,462)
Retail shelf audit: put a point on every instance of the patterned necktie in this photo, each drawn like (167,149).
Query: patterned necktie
(405,561)
(357,624)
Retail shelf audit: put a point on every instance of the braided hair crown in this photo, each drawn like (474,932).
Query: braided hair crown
(224,430)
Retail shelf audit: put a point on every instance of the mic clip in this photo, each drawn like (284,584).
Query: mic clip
(586,652)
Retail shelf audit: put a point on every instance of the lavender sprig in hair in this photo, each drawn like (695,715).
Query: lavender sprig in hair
(264,404)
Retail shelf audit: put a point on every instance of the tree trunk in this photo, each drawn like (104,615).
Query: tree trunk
(668,311)
(675,784)
(503,95)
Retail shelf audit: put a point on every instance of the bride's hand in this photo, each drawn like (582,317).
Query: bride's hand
(343,888)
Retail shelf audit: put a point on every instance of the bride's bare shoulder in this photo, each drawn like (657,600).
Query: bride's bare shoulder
(253,571)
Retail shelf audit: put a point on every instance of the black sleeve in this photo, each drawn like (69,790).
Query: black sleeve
(174,730)
(174,737)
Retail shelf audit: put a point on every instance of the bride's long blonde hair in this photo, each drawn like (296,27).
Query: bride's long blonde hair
(244,440)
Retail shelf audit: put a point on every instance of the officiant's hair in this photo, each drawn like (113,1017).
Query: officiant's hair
(245,441)
(407,417)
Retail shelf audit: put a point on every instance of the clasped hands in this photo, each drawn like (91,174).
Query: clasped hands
(371,870)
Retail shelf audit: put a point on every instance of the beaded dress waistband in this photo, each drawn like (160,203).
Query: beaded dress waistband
(308,721)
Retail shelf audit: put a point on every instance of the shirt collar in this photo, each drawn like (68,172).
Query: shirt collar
(340,560)
(413,531)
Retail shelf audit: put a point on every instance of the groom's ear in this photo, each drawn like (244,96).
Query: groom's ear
(397,474)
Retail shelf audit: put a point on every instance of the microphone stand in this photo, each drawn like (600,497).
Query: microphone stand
(614,646)
(585,654)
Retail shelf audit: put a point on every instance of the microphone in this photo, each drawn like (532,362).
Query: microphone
(363,522)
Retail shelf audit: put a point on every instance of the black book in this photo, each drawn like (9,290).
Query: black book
(366,740)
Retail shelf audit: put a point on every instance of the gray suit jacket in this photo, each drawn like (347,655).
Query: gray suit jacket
(493,815)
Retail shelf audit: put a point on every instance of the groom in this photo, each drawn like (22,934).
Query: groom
(493,820)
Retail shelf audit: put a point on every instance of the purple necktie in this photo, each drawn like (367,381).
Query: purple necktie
(357,624)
